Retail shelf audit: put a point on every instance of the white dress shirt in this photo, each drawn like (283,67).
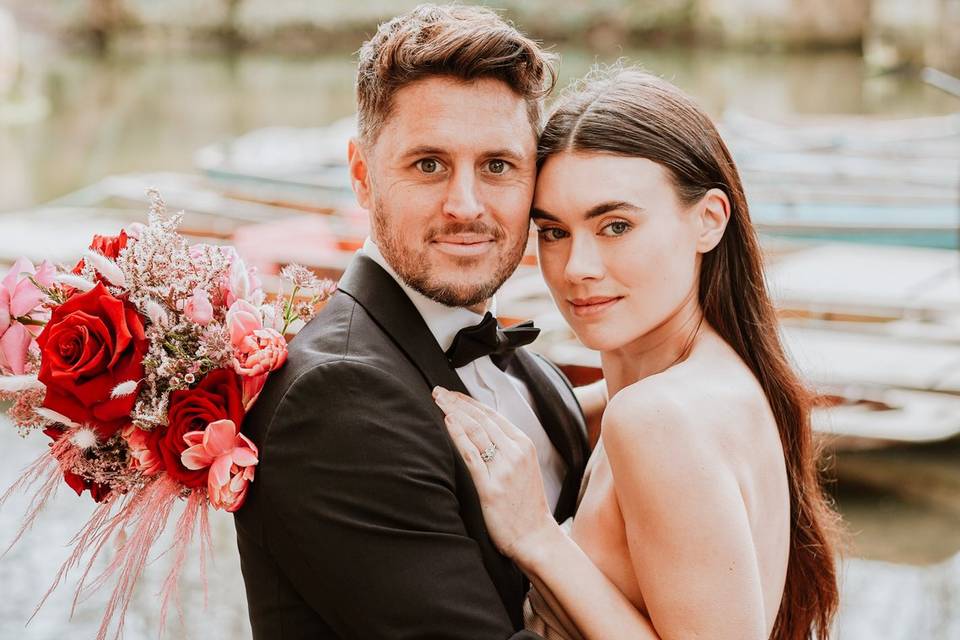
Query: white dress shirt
(485,381)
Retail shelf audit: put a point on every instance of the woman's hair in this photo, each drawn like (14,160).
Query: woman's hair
(634,114)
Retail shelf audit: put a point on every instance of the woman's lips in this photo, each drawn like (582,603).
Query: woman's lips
(463,245)
(591,306)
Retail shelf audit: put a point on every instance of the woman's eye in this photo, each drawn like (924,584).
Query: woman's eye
(551,234)
(617,228)
(428,165)
(497,166)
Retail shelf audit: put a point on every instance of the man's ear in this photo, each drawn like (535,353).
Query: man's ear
(714,215)
(359,173)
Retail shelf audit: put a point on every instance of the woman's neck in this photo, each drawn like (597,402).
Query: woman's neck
(667,344)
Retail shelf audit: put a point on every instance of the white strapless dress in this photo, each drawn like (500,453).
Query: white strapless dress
(541,618)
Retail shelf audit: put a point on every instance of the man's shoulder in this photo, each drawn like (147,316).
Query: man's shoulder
(342,332)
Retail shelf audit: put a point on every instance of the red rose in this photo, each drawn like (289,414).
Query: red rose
(219,396)
(99,492)
(108,246)
(92,343)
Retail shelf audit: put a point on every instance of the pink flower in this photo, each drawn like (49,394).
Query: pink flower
(257,350)
(260,352)
(231,458)
(242,320)
(241,282)
(198,307)
(143,450)
(21,299)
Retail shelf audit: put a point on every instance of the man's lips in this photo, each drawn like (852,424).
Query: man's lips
(592,305)
(466,244)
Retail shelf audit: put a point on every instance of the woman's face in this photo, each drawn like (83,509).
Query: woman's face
(617,248)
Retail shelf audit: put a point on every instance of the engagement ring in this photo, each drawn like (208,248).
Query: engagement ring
(489,453)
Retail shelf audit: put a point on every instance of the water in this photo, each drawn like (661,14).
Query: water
(124,115)
(902,576)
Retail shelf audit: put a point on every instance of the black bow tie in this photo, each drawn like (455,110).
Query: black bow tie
(488,339)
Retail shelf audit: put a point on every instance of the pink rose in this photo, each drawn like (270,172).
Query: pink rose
(21,301)
(198,307)
(261,352)
(232,459)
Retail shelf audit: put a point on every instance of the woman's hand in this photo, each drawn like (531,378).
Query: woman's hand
(503,463)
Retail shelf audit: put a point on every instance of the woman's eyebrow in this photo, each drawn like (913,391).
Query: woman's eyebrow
(540,214)
(592,212)
(613,205)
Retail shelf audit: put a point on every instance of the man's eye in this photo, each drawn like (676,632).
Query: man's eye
(497,166)
(428,165)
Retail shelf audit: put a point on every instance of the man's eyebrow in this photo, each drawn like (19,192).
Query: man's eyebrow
(593,212)
(423,150)
(508,154)
(430,150)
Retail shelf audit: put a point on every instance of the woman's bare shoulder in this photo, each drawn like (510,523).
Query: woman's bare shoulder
(687,409)
(653,417)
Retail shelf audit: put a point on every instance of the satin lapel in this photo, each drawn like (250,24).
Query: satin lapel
(390,307)
(563,421)
(366,282)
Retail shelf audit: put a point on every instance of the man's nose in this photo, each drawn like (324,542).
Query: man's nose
(463,200)
(584,261)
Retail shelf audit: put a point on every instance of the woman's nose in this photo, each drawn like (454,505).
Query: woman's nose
(585,261)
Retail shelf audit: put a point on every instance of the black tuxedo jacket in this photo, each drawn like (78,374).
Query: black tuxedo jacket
(363,522)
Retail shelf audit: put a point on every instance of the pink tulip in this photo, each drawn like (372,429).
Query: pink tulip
(241,282)
(231,458)
(143,452)
(257,350)
(21,298)
(198,307)
(242,320)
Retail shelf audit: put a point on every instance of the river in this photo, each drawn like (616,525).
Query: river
(901,577)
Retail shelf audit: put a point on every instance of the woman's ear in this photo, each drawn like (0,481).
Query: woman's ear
(714,215)
(359,173)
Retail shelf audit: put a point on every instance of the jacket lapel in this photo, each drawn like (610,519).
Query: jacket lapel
(376,291)
(562,419)
(389,306)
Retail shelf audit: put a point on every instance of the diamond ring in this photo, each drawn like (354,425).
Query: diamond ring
(489,454)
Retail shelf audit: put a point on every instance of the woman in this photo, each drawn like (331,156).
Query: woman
(701,516)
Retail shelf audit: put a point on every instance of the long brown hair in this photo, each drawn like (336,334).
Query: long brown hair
(635,114)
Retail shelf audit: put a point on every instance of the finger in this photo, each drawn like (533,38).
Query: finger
(504,426)
(482,415)
(468,451)
(474,431)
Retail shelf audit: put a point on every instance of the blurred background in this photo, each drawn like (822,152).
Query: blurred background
(843,116)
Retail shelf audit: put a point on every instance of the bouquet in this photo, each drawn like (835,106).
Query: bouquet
(139,364)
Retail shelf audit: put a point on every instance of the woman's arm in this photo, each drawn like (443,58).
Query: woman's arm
(685,523)
(593,401)
(520,524)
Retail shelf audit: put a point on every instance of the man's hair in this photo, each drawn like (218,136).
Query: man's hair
(460,42)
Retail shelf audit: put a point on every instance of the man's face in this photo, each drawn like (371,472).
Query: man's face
(449,182)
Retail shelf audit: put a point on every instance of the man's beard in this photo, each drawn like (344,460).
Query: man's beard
(414,271)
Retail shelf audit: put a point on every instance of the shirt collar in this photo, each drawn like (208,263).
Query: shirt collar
(444,322)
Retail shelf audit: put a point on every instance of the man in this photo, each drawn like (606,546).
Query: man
(363,522)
